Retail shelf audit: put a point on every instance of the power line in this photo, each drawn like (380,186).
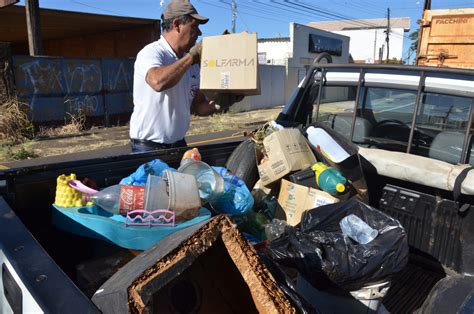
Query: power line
(97,8)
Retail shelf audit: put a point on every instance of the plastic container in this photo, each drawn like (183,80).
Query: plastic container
(324,143)
(210,183)
(93,222)
(329,179)
(363,301)
(174,191)
(357,229)
(190,155)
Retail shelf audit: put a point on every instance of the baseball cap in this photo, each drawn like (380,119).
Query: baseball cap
(177,8)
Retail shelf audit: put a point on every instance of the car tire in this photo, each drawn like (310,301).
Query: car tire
(242,162)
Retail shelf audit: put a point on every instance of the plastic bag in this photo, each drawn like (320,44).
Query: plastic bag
(318,249)
(139,177)
(236,199)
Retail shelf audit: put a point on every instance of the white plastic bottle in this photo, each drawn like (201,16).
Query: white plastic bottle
(323,142)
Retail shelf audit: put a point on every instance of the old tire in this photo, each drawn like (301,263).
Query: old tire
(242,163)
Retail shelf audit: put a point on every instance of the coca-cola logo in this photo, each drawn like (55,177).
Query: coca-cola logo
(126,198)
(132,197)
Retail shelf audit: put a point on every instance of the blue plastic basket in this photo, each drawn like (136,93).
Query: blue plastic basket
(94,222)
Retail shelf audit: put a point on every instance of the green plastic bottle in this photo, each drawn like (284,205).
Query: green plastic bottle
(329,179)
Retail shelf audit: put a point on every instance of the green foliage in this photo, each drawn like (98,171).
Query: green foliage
(23,153)
(414,40)
(393,61)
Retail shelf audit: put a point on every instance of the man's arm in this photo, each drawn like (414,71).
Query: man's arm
(201,106)
(164,77)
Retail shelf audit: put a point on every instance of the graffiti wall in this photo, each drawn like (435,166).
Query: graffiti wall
(56,87)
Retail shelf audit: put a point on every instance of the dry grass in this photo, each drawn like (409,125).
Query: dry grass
(75,124)
(15,125)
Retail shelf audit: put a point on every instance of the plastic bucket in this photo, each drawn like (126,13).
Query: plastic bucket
(156,195)
(210,183)
(371,296)
(363,301)
(173,191)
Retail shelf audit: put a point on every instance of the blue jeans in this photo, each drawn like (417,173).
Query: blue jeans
(148,146)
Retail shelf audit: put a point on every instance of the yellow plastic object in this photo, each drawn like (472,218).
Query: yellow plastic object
(65,195)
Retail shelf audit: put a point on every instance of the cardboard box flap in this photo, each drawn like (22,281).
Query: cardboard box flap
(295,199)
(287,151)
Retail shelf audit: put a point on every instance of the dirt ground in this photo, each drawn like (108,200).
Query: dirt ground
(99,138)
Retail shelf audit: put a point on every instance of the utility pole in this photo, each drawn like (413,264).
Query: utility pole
(375,44)
(234,15)
(34,27)
(387,32)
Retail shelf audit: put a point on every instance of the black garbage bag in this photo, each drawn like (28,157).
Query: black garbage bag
(319,250)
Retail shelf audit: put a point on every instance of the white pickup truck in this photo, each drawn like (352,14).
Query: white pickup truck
(413,128)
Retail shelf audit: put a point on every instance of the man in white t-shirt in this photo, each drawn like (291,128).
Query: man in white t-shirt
(166,82)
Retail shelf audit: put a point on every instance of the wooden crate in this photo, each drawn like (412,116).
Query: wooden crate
(447,38)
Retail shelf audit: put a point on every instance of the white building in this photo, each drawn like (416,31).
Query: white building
(297,52)
(368,37)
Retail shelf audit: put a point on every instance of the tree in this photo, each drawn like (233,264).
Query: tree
(414,40)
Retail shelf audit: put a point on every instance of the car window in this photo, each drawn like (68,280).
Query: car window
(336,108)
(384,117)
(441,124)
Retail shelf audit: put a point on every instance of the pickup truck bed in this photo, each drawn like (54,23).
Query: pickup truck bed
(43,262)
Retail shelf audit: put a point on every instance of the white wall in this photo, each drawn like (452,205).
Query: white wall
(277,52)
(363,42)
(272,87)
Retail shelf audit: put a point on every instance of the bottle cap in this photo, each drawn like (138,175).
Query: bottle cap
(340,187)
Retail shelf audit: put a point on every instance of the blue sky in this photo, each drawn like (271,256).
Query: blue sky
(269,18)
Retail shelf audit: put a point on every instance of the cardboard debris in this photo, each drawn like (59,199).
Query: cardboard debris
(206,268)
(287,151)
(229,63)
(295,199)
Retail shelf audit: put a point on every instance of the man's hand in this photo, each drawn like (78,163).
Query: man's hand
(225,100)
(195,52)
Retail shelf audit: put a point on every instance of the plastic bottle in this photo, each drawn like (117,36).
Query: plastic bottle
(324,143)
(118,199)
(329,179)
(190,154)
(357,229)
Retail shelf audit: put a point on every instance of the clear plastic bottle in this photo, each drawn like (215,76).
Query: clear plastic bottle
(118,199)
(357,229)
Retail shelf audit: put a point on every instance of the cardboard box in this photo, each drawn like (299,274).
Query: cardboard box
(295,199)
(287,151)
(229,63)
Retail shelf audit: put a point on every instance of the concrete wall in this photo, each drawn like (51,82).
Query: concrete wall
(363,42)
(302,59)
(272,87)
(276,52)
